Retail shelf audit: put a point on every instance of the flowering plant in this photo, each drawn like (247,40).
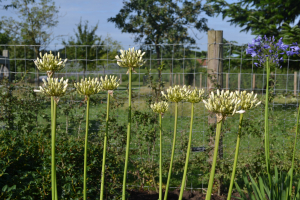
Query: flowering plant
(268,53)
(266,48)
(193,96)
(108,84)
(174,94)
(130,59)
(223,104)
(160,108)
(50,63)
(247,102)
(54,88)
(88,87)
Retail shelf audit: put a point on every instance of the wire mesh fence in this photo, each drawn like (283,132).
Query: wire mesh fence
(183,64)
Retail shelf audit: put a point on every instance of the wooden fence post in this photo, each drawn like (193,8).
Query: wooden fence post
(215,76)
(200,81)
(227,81)
(194,81)
(178,79)
(174,80)
(214,59)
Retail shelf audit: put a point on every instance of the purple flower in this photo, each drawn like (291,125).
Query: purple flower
(265,47)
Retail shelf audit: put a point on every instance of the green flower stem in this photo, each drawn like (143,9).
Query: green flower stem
(53,164)
(86,146)
(297,125)
(160,157)
(213,168)
(104,149)
(267,143)
(235,157)
(128,136)
(173,149)
(187,154)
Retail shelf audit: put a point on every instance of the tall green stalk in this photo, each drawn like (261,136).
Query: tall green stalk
(128,136)
(104,149)
(267,143)
(86,147)
(53,164)
(173,150)
(187,154)
(160,157)
(297,126)
(213,168)
(235,157)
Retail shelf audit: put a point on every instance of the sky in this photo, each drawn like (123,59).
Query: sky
(98,11)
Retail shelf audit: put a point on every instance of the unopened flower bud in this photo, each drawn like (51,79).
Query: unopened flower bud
(49,63)
(110,83)
(88,87)
(53,87)
(160,107)
(176,93)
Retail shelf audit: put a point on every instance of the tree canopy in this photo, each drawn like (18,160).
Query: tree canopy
(88,49)
(261,17)
(158,21)
(34,23)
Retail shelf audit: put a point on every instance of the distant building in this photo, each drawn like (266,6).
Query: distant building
(4,65)
(203,62)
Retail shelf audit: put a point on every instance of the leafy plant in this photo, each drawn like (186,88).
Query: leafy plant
(260,190)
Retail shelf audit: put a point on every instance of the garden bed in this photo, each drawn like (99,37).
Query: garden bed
(173,195)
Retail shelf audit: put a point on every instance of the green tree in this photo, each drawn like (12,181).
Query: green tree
(85,47)
(260,17)
(33,25)
(88,49)
(4,37)
(161,21)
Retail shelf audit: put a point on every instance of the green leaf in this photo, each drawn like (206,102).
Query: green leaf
(4,188)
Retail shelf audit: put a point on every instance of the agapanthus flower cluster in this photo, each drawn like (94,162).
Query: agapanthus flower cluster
(130,58)
(49,62)
(223,104)
(195,96)
(110,83)
(88,87)
(160,107)
(53,87)
(248,100)
(265,47)
(176,93)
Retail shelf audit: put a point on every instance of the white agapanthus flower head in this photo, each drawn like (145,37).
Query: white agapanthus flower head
(88,87)
(110,83)
(53,87)
(50,63)
(130,58)
(248,100)
(160,107)
(195,96)
(176,93)
(223,104)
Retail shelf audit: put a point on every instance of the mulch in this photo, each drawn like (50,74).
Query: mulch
(173,195)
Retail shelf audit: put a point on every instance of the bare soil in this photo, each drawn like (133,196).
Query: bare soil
(173,195)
